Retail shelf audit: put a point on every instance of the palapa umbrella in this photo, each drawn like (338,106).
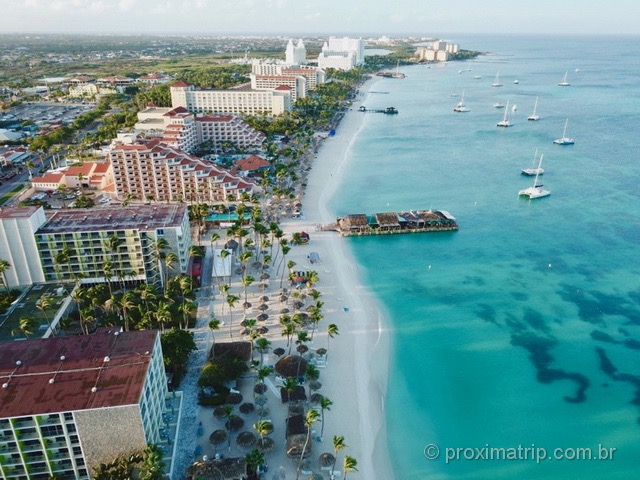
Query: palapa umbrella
(326,459)
(264,276)
(259,388)
(264,298)
(256,264)
(219,412)
(246,304)
(234,423)
(246,439)
(262,329)
(265,444)
(321,351)
(234,398)
(244,323)
(316,397)
(245,331)
(291,366)
(262,317)
(263,412)
(238,271)
(298,304)
(247,408)
(284,310)
(315,385)
(218,437)
(302,348)
(263,285)
(263,307)
(283,298)
(278,351)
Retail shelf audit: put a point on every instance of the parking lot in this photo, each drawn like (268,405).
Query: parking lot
(46,112)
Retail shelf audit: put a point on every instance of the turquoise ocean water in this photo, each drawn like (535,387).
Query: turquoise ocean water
(523,328)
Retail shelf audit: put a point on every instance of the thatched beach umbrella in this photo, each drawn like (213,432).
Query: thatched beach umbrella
(246,439)
(262,317)
(291,366)
(263,307)
(234,423)
(283,298)
(247,408)
(321,351)
(298,304)
(316,397)
(262,329)
(259,388)
(234,398)
(245,331)
(278,351)
(246,304)
(315,385)
(265,444)
(264,276)
(326,459)
(238,271)
(219,412)
(302,348)
(218,437)
(284,310)
(264,298)
(256,264)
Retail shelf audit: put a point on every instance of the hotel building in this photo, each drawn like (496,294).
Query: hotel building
(241,100)
(342,53)
(32,241)
(68,404)
(154,171)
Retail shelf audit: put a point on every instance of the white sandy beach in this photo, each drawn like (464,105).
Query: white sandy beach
(356,370)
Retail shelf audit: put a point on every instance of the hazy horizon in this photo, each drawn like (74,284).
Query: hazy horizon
(314,17)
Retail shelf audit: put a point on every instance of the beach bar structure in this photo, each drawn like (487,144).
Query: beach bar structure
(412,221)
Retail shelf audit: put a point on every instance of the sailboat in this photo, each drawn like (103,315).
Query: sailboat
(505,120)
(533,170)
(564,82)
(461,106)
(496,81)
(397,73)
(536,191)
(564,140)
(534,117)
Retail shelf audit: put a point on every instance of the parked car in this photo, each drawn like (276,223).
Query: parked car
(70,196)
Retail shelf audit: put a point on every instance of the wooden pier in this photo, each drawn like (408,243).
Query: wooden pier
(412,221)
(386,111)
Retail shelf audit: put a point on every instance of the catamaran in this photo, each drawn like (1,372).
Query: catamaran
(505,120)
(533,170)
(496,81)
(564,140)
(534,117)
(536,191)
(461,106)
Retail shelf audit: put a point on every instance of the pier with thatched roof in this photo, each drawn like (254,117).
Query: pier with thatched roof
(412,221)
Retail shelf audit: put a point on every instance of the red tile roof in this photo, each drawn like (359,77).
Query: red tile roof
(283,87)
(83,169)
(118,381)
(251,163)
(180,84)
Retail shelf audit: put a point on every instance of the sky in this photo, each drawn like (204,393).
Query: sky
(309,17)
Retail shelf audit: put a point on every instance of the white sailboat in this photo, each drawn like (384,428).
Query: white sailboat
(564,140)
(461,106)
(505,122)
(564,82)
(534,117)
(533,170)
(496,81)
(536,191)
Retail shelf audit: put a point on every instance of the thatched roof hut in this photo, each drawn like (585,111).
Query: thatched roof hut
(291,366)
(219,469)
(353,223)
(387,221)
(298,393)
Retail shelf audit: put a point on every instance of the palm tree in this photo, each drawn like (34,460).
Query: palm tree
(227,411)
(114,243)
(246,282)
(332,331)
(338,445)
(262,344)
(325,404)
(158,248)
(4,266)
(349,465)
(26,326)
(43,304)
(187,309)
(231,301)
(288,330)
(312,373)
(262,428)
(214,324)
(163,314)
(310,418)
(127,302)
